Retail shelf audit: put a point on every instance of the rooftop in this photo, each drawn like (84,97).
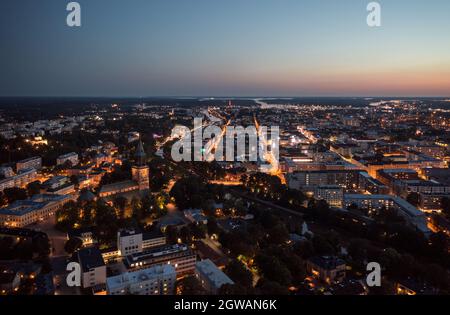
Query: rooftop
(89,258)
(140,275)
(215,275)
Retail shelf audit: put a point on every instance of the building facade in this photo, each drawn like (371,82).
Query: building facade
(156,280)
(211,277)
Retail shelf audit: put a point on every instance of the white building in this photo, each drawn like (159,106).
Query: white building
(93,267)
(20,180)
(33,162)
(211,277)
(71,157)
(25,212)
(156,280)
(134,241)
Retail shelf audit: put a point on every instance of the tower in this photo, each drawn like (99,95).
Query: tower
(140,171)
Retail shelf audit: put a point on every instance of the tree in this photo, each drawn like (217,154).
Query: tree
(120,203)
(41,245)
(278,234)
(72,245)
(34,188)
(74,180)
(322,246)
(15,193)
(273,269)
(239,273)
(235,289)
(267,287)
(189,192)
(386,288)
(198,231)
(212,226)
(190,286)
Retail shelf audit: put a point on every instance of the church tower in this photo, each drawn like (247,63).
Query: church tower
(140,171)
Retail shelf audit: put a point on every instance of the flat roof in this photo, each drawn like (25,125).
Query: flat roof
(406,206)
(213,273)
(139,275)
(89,258)
(22,207)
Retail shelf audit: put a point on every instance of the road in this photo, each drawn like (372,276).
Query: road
(58,257)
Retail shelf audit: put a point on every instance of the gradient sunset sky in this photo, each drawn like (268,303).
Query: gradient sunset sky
(225,48)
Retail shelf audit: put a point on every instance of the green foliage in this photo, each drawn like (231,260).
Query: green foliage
(239,273)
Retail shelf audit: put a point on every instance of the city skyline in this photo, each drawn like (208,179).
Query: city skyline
(232,48)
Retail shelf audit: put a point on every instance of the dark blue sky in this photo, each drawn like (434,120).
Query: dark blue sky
(224,48)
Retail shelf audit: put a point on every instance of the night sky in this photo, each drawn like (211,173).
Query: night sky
(224,48)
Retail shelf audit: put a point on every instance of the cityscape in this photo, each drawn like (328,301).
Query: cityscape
(185,168)
(94,183)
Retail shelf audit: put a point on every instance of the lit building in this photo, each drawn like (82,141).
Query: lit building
(309,180)
(58,185)
(211,277)
(33,162)
(69,157)
(410,213)
(20,180)
(140,177)
(328,269)
(332,194)
(140,171)
(180,256)
(25,212)
(93,267)
(156,280)
(133,241)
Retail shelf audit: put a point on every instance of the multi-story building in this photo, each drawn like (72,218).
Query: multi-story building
(431,202)
(134,241)
(180,256)
(309,180)
(58,185)
(6,171)
(371,185)
(33,162)
(332,194)
(390,177)
(211,277)
(25,212)
(411,214)
(156,280)
(20,180)
(69,157)
(93,267)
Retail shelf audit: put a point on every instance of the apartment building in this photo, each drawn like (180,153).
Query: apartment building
(180,256)
(156,280)
(33,162)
